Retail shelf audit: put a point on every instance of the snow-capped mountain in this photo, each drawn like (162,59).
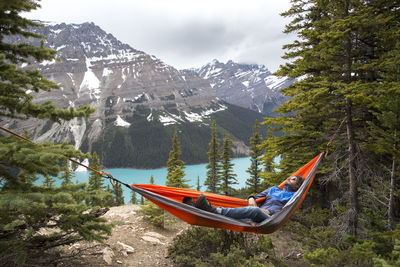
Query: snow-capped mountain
(95,68)
(139,100)
(246,85)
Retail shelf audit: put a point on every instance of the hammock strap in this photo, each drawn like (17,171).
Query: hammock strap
(103,174)
(334,136)
(113,180)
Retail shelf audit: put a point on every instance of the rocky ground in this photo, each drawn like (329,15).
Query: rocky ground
(136,242)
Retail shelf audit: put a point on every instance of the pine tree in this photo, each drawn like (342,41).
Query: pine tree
(108,200)
(48,181)
(118,195)
(96,181)
(134,199)
(152,211)
(256,151)
(387,142)
(67,176)
(228,178)
(212,181)
(175,166)
(385,131)
(96,189)
(340,56)
(26,209)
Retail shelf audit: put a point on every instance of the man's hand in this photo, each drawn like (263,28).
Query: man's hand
(252,202)
(266,211)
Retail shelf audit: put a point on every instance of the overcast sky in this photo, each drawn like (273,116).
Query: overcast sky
(185,33)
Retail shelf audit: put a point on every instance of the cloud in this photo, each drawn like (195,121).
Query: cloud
(195,37)
(185,33)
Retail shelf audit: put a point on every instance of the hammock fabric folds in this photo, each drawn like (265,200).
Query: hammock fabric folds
(171,200)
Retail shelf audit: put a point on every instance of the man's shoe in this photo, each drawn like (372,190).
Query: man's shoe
(203,204)
(189,201)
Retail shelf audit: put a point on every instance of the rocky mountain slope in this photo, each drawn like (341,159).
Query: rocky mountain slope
(139,101)
(245,85)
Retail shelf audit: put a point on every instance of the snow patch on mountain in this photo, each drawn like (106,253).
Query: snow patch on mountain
(71,76)
(122,123)
(118,56)
(212,72)
(193,117)
(208,112)
(90,82)
(140,96)
(47,62)
(246,83)
(107,72)
(274,82)
(124,73)
(150,117)
(167,118)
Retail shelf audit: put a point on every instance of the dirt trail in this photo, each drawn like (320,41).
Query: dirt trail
(136,242)
(150,243)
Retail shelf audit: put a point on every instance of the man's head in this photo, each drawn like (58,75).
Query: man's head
(295,182)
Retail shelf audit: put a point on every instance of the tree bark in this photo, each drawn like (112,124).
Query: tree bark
(353,201)
(392,208)
(394,205)
(354,206)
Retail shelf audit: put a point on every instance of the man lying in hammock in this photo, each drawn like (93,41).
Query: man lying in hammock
(275,199)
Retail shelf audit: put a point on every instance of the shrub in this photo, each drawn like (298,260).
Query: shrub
(155,214)
(323,257)
(201,246)
(359,254)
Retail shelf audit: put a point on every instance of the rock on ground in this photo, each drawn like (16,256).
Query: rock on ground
(134,241)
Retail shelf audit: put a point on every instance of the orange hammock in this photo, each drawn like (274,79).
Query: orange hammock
(171,200)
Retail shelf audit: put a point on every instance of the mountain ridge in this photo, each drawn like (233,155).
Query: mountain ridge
(135,95)
(250,86)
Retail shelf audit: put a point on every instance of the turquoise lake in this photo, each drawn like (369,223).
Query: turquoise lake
(138,176)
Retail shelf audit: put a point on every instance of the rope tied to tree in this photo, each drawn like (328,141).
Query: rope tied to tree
(106,175)
(334,136)
(113,180)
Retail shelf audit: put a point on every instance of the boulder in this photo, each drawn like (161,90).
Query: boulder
(125,249)
(108,254)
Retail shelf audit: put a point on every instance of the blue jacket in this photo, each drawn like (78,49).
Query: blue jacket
(275,198)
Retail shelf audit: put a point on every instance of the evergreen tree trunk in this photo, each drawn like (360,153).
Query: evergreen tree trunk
(354,206)
(394,207)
